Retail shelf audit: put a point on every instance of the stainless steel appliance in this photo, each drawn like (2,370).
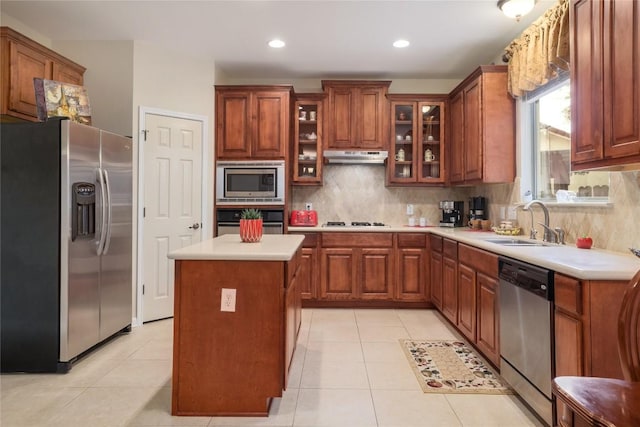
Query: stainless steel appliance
(452,212)
(255,182)
(356,157)
(66,242)
(228,221)
(526,324)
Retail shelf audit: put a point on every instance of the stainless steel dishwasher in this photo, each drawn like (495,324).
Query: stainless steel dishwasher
(526,322)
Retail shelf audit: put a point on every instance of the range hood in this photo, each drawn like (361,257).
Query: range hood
(356,157)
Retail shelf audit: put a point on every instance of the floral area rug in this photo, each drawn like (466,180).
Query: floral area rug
(451,367)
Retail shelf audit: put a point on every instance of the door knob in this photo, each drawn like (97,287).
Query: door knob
(195,226)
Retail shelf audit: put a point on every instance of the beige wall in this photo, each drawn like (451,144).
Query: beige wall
(108,79)
(14,24)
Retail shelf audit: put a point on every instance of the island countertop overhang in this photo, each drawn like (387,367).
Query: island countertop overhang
(272,247)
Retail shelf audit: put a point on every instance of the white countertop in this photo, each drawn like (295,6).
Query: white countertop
(272,247)
(585,264)
(363,229)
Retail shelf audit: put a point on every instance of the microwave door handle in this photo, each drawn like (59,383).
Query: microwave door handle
(107,185)
(103,217)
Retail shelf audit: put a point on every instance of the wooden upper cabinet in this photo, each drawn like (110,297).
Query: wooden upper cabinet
(482,129)
(23,60)
(456,138)
(605,79)
(357,114)
(252,121)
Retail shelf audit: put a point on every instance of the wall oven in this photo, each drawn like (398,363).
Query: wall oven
(526,325)
(228,221)
(254,182)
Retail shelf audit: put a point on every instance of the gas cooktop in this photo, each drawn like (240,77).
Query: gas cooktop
(353,224)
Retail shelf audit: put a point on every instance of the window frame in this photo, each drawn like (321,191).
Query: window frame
(529,156)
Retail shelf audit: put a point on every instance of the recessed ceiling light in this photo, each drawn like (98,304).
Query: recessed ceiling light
(277,43)
(400,43)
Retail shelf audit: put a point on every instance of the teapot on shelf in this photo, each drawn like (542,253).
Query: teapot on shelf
(400,155)
(428,155)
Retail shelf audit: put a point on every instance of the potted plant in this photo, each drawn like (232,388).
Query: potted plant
(250,225)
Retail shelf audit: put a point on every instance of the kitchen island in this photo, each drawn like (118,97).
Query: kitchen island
(236,320)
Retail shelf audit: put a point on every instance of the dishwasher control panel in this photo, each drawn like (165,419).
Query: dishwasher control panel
(530,277)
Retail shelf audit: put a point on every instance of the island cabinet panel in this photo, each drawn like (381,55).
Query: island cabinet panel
(253,122)
(23,60)
(357,114)
(215,370)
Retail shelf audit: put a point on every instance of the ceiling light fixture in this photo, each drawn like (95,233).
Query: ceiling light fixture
(276,43)
(516,8)
(400,43)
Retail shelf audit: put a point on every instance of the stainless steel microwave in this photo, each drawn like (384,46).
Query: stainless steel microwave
(257,182)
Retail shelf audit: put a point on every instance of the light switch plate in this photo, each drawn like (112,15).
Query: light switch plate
(228,300)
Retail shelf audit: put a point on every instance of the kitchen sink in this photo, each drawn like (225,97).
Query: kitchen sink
(515,242)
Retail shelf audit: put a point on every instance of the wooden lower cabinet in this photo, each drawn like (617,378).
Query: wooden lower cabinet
(585,331)
(356,266)
(435,271)
(467,301)
(375,271)
(488,318)
(337,273)
(412,267)
(450,280)
(309,273)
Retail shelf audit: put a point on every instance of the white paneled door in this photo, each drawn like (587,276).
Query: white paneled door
(172,204)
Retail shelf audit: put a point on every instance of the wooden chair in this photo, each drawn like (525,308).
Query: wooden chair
(604,401)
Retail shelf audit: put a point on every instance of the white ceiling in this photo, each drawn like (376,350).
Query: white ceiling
(325,39)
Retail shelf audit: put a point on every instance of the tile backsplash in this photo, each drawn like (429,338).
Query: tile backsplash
(358,193)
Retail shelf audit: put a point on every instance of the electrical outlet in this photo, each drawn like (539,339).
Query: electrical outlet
(228,300)
(409,209)
(512,213)
(308,206)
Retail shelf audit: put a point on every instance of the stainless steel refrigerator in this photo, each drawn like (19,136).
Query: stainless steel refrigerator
(66,254)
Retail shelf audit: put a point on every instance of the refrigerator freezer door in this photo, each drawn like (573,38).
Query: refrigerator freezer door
(116,280)
(79,262)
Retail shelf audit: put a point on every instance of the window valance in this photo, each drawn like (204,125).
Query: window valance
(540,52)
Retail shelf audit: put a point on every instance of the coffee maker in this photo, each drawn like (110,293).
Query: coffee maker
(452,212)
(477,208)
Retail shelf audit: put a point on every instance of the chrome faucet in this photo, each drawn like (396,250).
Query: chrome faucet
(550,235)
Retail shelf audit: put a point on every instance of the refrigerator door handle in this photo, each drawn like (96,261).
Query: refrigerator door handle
(107,185)
(103,226)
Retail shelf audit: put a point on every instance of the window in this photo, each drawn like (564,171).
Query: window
(548,128)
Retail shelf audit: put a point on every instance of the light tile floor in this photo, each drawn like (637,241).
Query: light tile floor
(348,371)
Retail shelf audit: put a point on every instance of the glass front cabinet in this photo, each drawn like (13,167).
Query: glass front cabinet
(417,153)
(308,139)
